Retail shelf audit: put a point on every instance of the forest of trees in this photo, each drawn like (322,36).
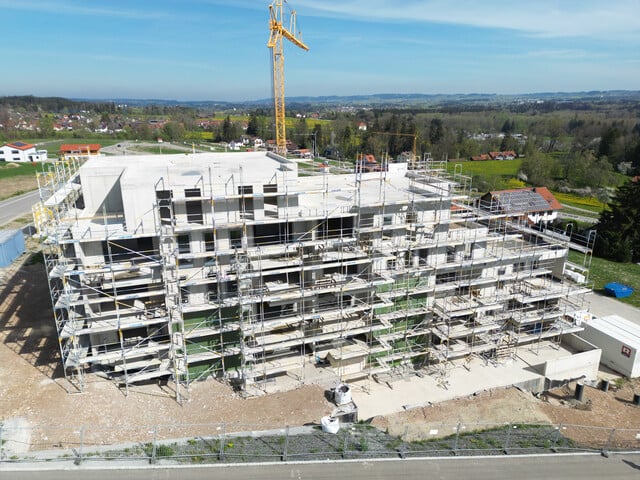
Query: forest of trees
(619,226)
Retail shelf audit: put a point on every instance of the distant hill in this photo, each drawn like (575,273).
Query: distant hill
(390,100)
(404,99)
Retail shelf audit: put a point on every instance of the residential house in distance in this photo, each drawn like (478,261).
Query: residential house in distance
(21,152)
(75,150)
(504,155)
(480,158)
(537,204)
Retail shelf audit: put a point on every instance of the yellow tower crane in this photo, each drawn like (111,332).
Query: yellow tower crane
(278,32)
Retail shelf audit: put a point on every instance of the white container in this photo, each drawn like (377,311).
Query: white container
(342,394)
(330,424)
(619,340)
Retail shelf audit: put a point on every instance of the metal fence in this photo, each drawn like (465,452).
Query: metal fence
(216,443)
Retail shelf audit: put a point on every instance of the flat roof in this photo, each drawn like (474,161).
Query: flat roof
(7,235)
(618,328)
(319,191)
(199,163)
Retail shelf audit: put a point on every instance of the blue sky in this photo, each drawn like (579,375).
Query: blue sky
(216,49)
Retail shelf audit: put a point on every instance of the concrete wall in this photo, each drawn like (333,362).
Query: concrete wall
(100,188)
(139,196)
(573,366)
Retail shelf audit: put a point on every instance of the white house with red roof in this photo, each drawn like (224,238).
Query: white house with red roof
(21,152)
(75,150)
(535,204)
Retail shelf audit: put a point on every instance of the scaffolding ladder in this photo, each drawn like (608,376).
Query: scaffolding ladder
(173,303)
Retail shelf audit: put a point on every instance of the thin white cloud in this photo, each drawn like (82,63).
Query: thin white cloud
(567,54)
(85,9)
(548,18)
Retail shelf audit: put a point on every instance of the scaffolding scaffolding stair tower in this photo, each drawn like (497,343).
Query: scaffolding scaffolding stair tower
(173,303)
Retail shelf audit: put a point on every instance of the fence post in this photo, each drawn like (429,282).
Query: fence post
(506,440)
(78,459)
(224,432)
(556,438)
(286,444)
(1,443)
(345,443)
(155,445)
(605,450)
(455,443)
(364,440)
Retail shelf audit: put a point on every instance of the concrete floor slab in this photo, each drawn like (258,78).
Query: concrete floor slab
(375,399)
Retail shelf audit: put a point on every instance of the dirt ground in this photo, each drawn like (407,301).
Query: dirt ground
(33,387)
(612,409)
(34,392)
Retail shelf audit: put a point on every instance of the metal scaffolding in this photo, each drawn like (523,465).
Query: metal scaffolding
(386,273)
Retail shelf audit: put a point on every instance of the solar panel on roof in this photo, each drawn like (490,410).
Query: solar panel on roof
(20,144)
(523,201)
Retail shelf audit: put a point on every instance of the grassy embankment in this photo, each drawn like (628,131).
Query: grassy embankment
(582,203)
(604,271)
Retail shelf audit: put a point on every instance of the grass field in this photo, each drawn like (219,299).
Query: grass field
(605,271)
(157,150)
(10,169)
(588,203)
(489,168)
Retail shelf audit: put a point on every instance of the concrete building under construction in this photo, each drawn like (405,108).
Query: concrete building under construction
(243,267)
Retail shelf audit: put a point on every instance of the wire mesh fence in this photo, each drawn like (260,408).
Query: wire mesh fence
(227,443)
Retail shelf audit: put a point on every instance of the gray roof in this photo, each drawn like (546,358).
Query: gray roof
(520,201)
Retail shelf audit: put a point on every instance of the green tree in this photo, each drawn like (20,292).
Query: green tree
(607,141)
(346,140)
(45,127)
(141,131)
(555,129)
(252,127)
(436,131)
(540,169)
(300,133)
(618,229)
(173,131)
(508,143)
(508,127)
(229,130)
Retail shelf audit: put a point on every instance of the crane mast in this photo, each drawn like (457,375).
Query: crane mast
(278,33)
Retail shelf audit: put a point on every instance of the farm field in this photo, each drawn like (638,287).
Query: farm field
(586,203)
(489,168)
(17,178)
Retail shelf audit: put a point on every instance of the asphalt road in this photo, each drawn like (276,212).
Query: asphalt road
(578,467)
(17,206)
